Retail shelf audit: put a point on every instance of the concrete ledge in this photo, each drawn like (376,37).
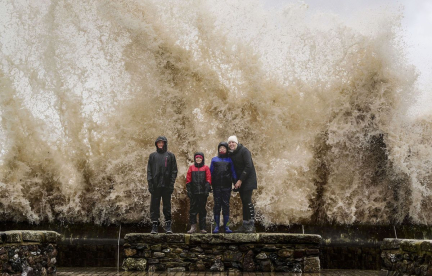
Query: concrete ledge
(265,252)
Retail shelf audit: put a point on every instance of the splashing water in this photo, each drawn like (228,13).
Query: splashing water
(86,87)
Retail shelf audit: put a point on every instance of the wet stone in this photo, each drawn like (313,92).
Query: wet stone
(312,265)
(426,246)
(13,237)
(410,246)
(32,236)
(134,264)
(142,246)
(156,247)
(248,262)
(261,256)
(217,266)
(285,253)
(130,252)
(158,254)
(266,266)
(176,269)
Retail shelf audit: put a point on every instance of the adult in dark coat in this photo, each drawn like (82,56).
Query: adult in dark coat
(161,176)
(246,183)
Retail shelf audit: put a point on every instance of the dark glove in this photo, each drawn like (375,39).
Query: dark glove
(207,188)
(188,190)
(151,190)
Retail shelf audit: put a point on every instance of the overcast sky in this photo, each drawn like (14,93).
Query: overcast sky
(417,25)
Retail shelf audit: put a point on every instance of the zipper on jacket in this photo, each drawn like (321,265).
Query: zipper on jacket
(166,161)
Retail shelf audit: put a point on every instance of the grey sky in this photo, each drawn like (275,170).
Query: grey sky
(417,26)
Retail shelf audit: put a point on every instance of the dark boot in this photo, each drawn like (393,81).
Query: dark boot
(242,228)
(250,226)
(155,225)
(226,228)
(217,221)
(168,227)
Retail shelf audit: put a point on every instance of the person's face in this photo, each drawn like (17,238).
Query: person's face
(232,145)
(198,160)
(160,144)
(222,150)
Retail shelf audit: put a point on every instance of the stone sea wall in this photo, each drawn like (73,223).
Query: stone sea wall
(222,252)
(407,257)
(28,252)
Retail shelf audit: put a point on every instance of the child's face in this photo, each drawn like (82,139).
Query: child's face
(160,144)
(222,150)
(198,160)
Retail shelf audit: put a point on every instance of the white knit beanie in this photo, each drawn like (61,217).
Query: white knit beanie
(233,139)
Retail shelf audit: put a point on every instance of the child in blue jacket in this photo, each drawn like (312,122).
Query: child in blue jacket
(222,177)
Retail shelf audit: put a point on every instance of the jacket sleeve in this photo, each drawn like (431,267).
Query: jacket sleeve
(211,166)
(189,175)
(149,173)
(233,173)
(173,170)
(208,175)
(247,160)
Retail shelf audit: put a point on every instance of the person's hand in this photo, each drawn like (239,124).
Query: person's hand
(238,184)
(151,190)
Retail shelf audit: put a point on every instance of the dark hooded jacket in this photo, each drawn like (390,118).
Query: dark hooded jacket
(198,178)
(222,169)
(244,167)
(161,168)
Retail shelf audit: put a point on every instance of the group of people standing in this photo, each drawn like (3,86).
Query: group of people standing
(233,166)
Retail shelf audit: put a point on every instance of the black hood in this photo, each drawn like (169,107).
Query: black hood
(165,147)
(203,161)
(223,144)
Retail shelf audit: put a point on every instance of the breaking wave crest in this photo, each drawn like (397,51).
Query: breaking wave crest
(86,87)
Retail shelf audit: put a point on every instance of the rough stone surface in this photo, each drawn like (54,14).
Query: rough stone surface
(134,264)
(412,257)
(222,252)
(28,252)
(312,265)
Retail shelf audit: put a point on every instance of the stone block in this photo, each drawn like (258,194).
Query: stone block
(411,245)
(389,244)
(130,252)
(426,246)
(282,238)
(266,266)
(224,238)
(285,253)
(32,236)
(261,256)
(13,236)
(248,262)
(176,269)
(311,265)
(175,238)
(158,254)
(51,236)
(139,264)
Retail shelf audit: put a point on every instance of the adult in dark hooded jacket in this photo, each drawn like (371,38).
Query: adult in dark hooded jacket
(161,176)
(246,183)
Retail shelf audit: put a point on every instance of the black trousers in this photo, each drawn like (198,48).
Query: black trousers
(198,207)
(221,198)
(248,208)
(156,196)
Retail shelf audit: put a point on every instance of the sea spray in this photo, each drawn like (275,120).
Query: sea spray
(86,87)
